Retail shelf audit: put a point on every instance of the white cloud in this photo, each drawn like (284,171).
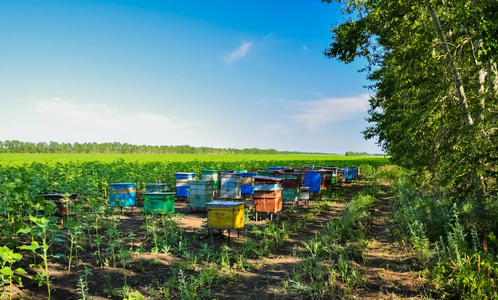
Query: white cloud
(330,110)
(305,48)
(238,53)
(67,121)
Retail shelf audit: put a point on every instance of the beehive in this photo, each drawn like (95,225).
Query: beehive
(290,195)
(291,180)
(230,185)
(182,183)
(280,169)
(247,184)
(267,194)
(340,175)
(304,193)
(122,194)
(314,180)
(62,202)
(327,173)
(159,202)
(201,192)
(291,183)
(225,215)
(211,175)
(355,172)
(265,173)
(347,174)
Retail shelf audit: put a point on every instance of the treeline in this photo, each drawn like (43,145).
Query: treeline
(15,146)
(351,153)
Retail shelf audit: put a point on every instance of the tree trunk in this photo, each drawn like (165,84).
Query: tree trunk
(462,98)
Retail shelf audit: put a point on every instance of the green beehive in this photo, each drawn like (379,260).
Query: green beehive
(289,195)
(201,192)
(158,203)
(265,173)
(240,171)
(211,175)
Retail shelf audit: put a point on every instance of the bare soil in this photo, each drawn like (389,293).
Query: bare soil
(391,269)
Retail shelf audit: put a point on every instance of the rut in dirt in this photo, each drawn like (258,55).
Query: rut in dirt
(392,271)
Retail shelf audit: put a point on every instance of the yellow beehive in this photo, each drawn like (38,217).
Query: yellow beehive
(225,215)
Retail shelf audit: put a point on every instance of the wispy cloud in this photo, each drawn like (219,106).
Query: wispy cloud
(68,121)
(239,52)
(328,110)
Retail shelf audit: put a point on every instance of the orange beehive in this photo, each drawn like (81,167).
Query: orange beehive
(269,201)
(269,205)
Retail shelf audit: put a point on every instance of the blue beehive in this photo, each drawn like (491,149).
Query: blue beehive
(123,194)
(353,172)
(247,186)
(275,168)
(347,173)
(182,183)
(313,180)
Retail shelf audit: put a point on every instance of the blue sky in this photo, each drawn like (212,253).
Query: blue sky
(207,73)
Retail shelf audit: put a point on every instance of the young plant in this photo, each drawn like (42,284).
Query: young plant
(8,258)
(75,230)
(44,227)
(83,283)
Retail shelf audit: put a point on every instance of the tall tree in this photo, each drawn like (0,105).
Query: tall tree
(433,73)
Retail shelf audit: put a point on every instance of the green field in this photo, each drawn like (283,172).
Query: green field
(89,174)
(28,158)
(99,237)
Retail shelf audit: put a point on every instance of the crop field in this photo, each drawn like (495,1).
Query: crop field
(97,251)
(361,238)
(47,158)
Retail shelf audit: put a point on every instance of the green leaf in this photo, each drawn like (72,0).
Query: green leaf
(34,245)
(6,271)
(60,255)
(24,230)
(21,271)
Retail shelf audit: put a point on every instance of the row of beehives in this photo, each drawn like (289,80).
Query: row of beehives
(268,188)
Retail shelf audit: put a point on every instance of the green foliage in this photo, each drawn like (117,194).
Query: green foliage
(434,100)
(7,274)
(452,239)
(93,231)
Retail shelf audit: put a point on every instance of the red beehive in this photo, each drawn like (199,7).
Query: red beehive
(62,202)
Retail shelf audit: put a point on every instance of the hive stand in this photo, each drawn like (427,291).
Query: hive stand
(267,213)
(182,198)
(197,208)
(220,232)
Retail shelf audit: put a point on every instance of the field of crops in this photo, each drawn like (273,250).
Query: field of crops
(308,251)
(27,158)
(101,252)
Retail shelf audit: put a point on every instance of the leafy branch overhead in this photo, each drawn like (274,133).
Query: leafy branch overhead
(433,71)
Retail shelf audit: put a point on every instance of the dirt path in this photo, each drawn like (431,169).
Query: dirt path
(392,270)
(266,281)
